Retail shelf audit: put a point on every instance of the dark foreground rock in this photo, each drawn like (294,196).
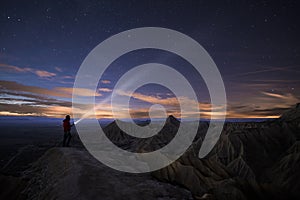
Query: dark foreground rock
(69,173)
(12,187)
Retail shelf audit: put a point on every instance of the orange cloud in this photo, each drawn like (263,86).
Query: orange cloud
(105,81)
(38,103)
(57,92)
(6,113)
(14,86)
(77,91)
(171,101)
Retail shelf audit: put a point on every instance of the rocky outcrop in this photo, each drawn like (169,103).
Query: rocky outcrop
(250,161)
(284,175)
(69,173)
(292,115)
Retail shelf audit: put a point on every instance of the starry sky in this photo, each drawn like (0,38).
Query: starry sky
(255,45)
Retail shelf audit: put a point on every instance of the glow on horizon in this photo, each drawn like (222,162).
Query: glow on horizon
(106,116)
(49,103)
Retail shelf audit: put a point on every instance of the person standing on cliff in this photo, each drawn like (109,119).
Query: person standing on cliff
(67,128)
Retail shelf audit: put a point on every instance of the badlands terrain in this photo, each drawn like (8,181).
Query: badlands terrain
(251,160)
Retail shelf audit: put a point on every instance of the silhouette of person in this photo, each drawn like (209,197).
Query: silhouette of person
(67,128)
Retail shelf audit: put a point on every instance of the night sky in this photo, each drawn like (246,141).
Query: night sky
(255,45)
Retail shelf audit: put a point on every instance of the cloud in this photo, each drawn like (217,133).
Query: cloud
(77,91)
(284,100)
(43,106)
(104,90)
(6,86)
(68,77)
(269,69)
(40,73)
(15,103)
(105,81)
(19,99)
(192,108)
(171,101)
(288,96)
(9,86)
(58,69)
(34,110)
(44,74)
(271,111)
(276,81)
(262,105)
(9,113)
(14,68)
(265,105)
(262,110)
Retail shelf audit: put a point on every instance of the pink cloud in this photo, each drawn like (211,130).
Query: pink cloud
(105,81)
(14,68)
(40,73)
(68,77)
(44,74)
(104,89)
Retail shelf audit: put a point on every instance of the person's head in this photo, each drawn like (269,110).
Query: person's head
(68,117)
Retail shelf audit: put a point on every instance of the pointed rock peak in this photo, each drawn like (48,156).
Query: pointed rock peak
(173,120)
(114,124)
(291,114)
